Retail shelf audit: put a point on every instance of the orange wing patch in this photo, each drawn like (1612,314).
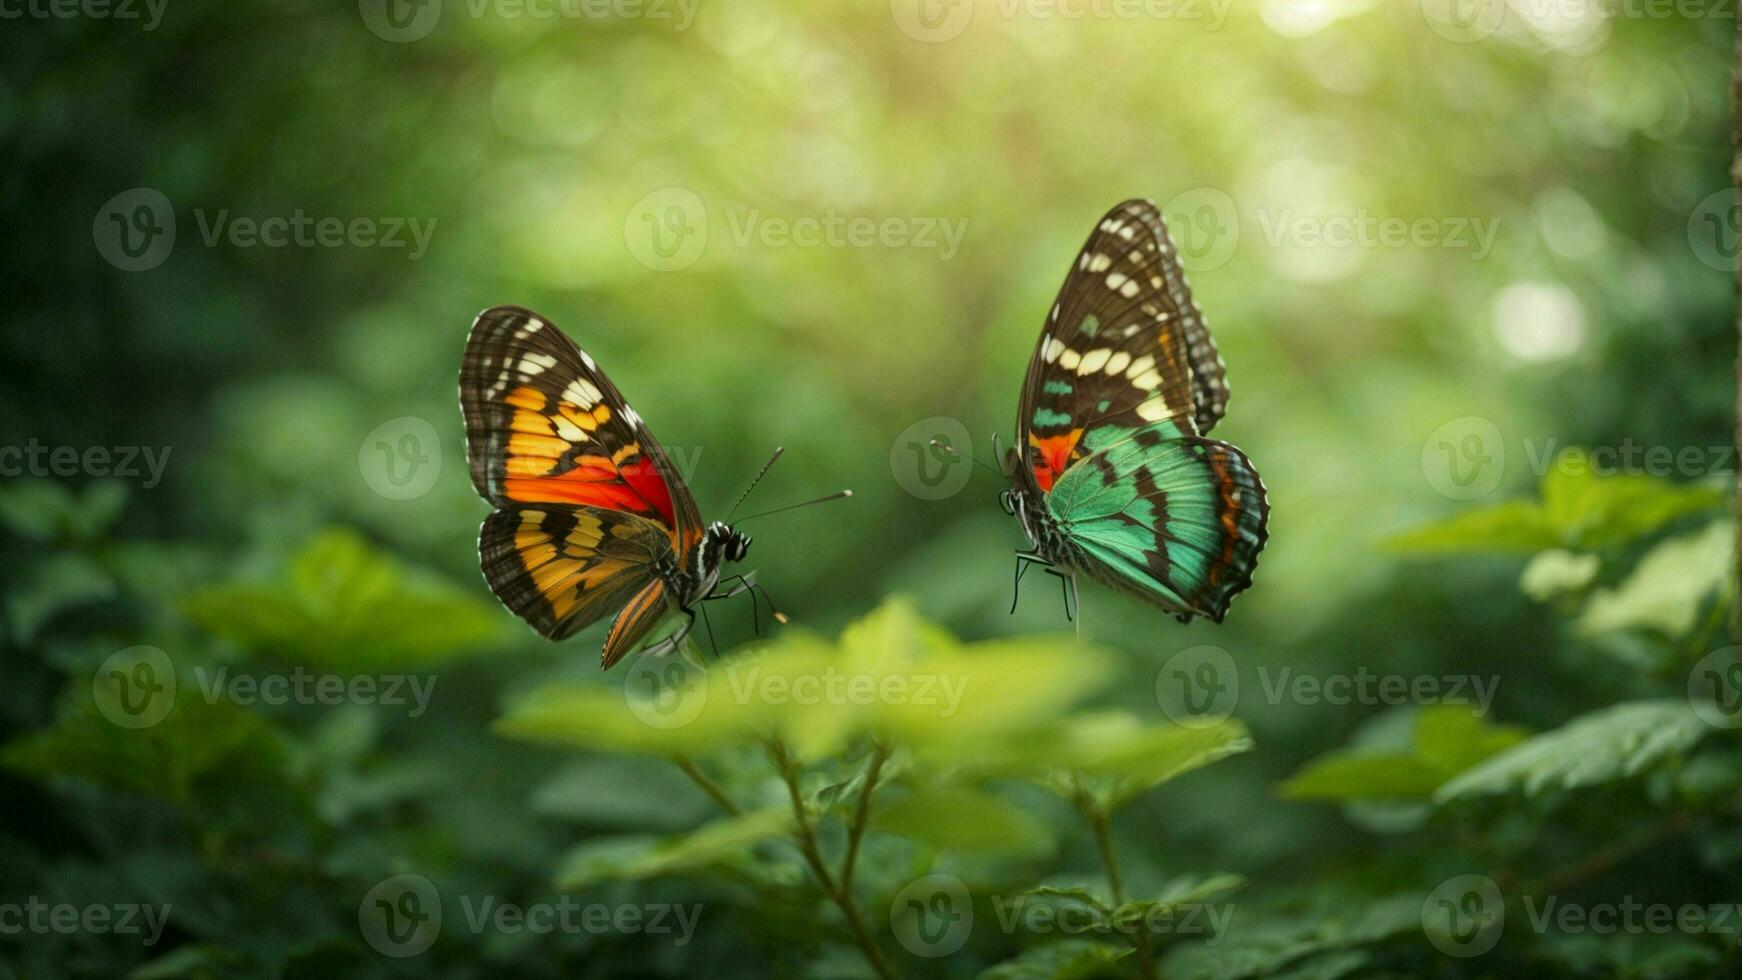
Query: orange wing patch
(1051,456)
(553,459)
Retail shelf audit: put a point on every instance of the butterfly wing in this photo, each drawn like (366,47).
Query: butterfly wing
(1124,347)
(564,568)
(1170,517)
(545,426)
(640,615)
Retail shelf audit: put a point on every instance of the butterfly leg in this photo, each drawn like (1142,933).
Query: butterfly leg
(1023,560)
(709,625)
(1069,581)
(746,583)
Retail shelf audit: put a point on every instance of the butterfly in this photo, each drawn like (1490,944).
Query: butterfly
(1112,474)
(590,517)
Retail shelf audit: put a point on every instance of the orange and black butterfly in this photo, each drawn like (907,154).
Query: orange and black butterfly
(591,518)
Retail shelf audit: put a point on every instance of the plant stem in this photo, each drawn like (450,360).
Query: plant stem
(708,785)
(856,831)
(1098,823)
(813,856)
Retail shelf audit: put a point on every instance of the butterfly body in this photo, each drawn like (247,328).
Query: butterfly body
(1112,474)
(590,518)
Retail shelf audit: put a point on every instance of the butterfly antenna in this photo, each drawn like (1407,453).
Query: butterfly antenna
(953,451)
(759,475)
(837,495)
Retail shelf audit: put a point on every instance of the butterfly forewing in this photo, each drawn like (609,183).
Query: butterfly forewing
(545,425)
(1124,347)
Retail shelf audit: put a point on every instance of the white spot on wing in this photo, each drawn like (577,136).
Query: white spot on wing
(1094,360)
(581,392)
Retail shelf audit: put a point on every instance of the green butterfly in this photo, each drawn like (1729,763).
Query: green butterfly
(1112,473)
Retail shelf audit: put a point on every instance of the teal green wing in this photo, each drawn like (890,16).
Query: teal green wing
(1171,517)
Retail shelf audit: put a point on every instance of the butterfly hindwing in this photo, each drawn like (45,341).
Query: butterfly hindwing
(545,426)
(1167,515)
(563,568)
(1125,346)
(640,615)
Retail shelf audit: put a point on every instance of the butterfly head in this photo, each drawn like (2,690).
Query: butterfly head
(1007,500)
(727,541)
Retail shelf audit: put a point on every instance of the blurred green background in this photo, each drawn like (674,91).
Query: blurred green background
(635,173)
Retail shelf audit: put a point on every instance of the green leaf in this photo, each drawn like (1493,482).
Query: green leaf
(640,857)
(1071,959)
(1604,746)
(1666,590)
(957,818)
(1314,943)
(1127,756)
(1595,511)
(63,581)
(343,605)
(1579,509)
(196,739)
(1557,572)
(1510,527)
(45,510)
(1445,740)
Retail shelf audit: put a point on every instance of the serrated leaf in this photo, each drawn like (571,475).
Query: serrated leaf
(1603,746)
(1666,590)
(344,605)
(1445,740)
(1579,509)
(1125,755)
(642,857)
(195,739)
(958,818)
(1071,959)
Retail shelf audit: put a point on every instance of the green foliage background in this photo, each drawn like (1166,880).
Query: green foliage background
(1587,599)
